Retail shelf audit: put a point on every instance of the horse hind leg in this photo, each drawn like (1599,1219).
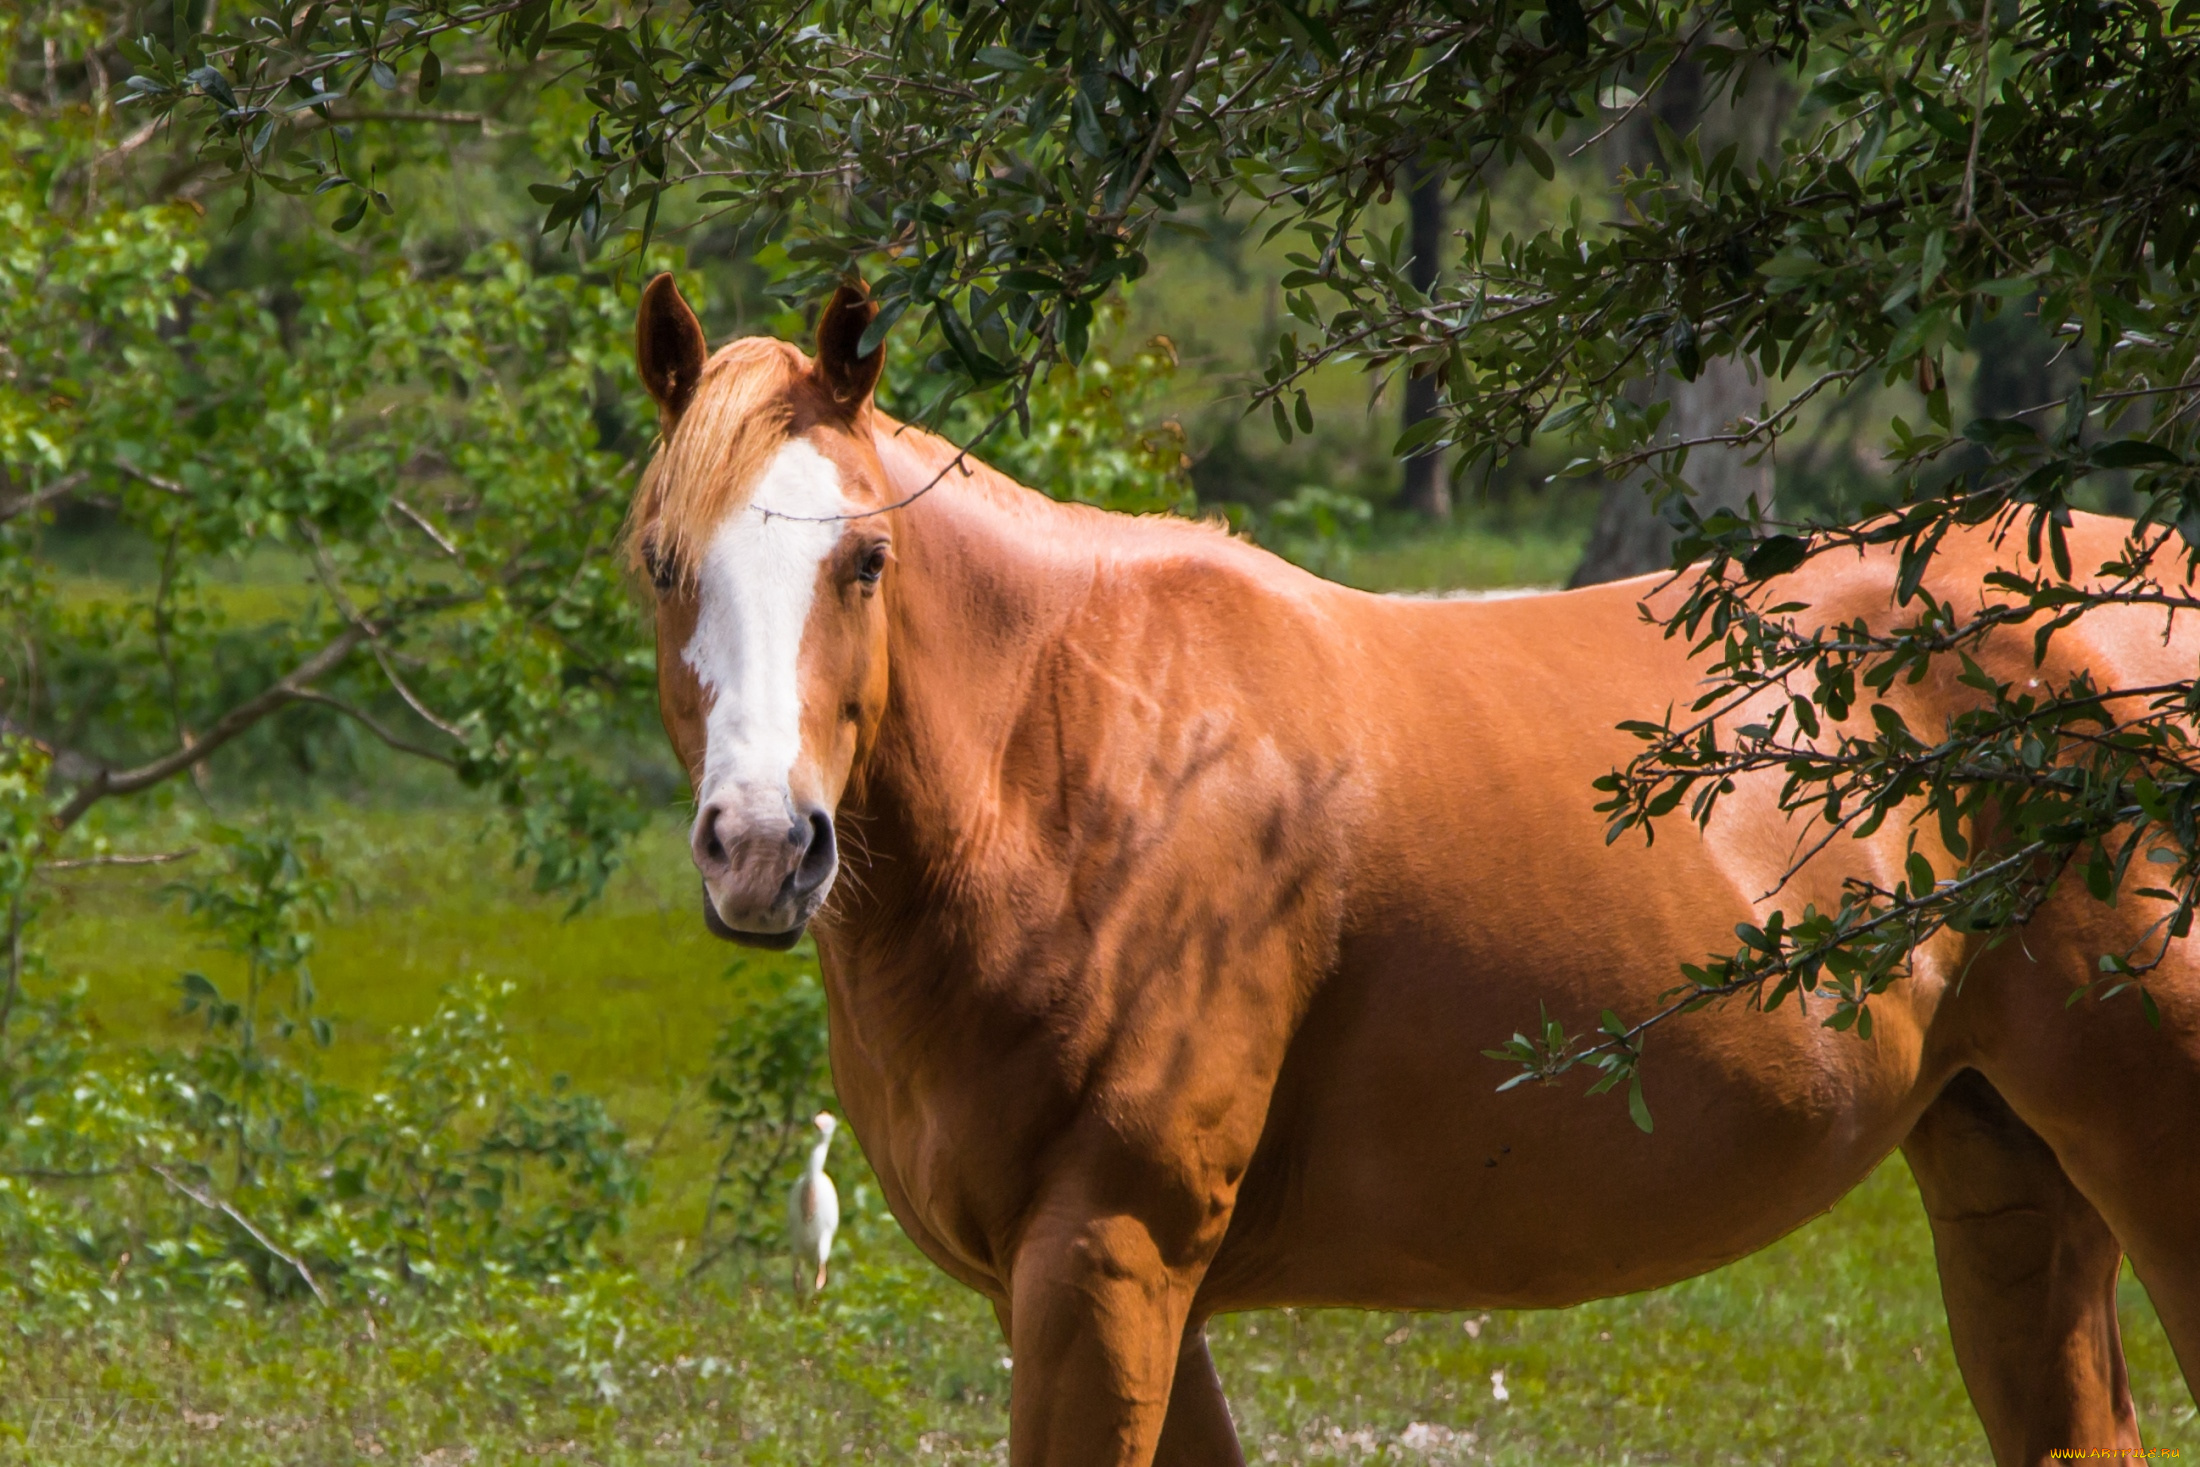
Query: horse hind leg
(2028,1272)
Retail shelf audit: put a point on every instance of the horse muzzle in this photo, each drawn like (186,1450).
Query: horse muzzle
(763,879)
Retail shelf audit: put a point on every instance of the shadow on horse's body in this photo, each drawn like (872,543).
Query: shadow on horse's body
(1183,891)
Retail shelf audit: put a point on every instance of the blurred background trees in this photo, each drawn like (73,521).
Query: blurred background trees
(1630,537)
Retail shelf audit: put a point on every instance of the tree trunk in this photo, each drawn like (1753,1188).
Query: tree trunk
(1423,488)
(1630,537)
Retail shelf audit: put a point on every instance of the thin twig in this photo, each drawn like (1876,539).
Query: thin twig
(153,858)
(1909,907)
(221,1205)
(1644,95)
(1978,117)
(425,528)
(152,480)
(373,635)
(39,498)
(368,722)
(447,119)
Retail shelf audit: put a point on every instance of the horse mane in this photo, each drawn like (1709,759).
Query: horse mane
(744,409)
(709,464)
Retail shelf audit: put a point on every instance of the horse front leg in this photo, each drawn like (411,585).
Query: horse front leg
(1099,1299)
(1198,1431)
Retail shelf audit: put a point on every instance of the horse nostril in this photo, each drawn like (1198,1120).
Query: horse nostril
(817,861)
(710,850)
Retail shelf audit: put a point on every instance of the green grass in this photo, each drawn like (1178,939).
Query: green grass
(1466,557)
(1829,1347)
(1486,546)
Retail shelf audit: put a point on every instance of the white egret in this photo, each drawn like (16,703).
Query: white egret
(813,1212)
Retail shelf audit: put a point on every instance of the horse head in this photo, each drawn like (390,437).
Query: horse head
(761,530)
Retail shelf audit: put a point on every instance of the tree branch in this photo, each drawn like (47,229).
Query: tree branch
(38,498)
(289,689)
(1203,28)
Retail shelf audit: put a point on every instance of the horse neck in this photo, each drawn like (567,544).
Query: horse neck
(986,572)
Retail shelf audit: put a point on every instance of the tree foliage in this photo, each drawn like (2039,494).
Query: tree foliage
(1000,167)
(417,481)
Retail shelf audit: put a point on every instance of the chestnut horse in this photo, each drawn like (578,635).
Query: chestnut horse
(1167,897)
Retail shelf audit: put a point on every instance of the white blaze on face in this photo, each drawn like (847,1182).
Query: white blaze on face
(757,581)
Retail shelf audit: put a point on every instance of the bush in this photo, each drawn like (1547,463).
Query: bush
(235,1166)
(768,1078)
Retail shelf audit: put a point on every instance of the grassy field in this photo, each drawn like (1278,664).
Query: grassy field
(1829,1347)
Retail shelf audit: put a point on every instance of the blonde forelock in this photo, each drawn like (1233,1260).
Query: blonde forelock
(709,464)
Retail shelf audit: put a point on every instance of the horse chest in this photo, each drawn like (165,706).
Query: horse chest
(952,1113)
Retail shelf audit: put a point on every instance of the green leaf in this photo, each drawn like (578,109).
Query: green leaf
(1944,120)
(2134,453)
(1169,171)
(1418,437)
(1791,264)
(1921,875)
(1085,125)
(1569,27)
(2001,433)
(1934,258)
(215,85)
(1637,1109)
(1775,556)
(431,75)
(1310,29)
(874,335)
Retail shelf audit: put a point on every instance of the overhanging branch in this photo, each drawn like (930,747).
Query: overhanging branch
(293,688)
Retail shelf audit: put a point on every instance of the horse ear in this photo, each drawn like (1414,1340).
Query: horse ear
(848,377)
(669,348)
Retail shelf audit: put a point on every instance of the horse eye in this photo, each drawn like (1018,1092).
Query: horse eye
(658,566)
(873,566)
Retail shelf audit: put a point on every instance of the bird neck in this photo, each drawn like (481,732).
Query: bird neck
(817,1154)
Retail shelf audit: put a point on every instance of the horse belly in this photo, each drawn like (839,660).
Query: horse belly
(1393,1174)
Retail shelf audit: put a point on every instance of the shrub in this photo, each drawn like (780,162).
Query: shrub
(234,1165)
